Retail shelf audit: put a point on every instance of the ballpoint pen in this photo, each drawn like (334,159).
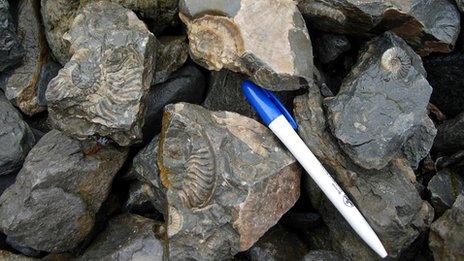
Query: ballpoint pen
(278,119)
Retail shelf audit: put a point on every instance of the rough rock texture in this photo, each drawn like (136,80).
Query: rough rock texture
(142,199)
(446,234)
(16,138)
(8,256)
(172,53)
(48,72)
(220,169)
(428,26)
(247,36)
(11,51)
(387,198)
(420,142)
(21,84)
(329,47)
(460,4)
(128,237)
(62,185)
(444,188)
(450,135)
(323,255)
(455,160)
(381,103)
(100,91)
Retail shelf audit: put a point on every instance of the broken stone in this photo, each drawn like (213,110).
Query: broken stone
(381,103)
(128,237)
(142,199)
(6,255)
(49,71)
(420,142)
(172,54)
(246,36)
(101,90)
(62,185)
(323,255)
(220,169)
(446,233)
(11,51)
(456,160)
(450,135)
(16,138)
(445,187)
(428,26)
(329,47)
(387,198)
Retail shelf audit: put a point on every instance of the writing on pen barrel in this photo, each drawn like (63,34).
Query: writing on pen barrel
(280,121)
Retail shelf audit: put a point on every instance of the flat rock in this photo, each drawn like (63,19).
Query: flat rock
(127,237)
(387,198)
(16,138)
(62,185)
(381,103)
(450,135)
(418,146)
(322,255)
(446,233)
(101,89)
(329,47)
(445,187)
(220,169)
(11,51)
(172,53)
(428,26)
(247,36)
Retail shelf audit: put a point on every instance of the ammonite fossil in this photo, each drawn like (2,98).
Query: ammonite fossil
(396,61)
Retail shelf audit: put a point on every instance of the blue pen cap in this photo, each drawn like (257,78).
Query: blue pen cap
(266,103)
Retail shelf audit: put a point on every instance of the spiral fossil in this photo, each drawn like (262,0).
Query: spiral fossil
(396,61)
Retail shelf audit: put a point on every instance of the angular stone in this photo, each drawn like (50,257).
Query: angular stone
(16,138)
(446,238)
(387,198)
(323,255)
(21,84)
(420,142)
(48,72)
(456,160)
(220,169)
(6,255)
(428,26)
(101,89)
(171,55)
(127,237)
(329,47)
(381,103)
(11,51)
(62,185)
(142,199)
(248,37)
(450,135)
(444,188)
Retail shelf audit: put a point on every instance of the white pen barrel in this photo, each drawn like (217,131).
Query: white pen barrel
(283,130)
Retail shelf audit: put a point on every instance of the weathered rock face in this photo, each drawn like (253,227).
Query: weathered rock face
(246,36)
(11,51)
(128,237)
(381,103)
(172,53)
(387,198)
(62,185)
(101,89)
(460,4)
(142,199)
(445,187)
(428,26)
(48,72)
(323,255)
(16,138)
(5,255)
(446,233)
(450,135)
(329,46)
(220,169)
(420,142)
(21,84)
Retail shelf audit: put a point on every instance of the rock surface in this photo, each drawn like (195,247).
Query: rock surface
(62,185)
(128,237)
(172,53)
(445,187)
(446,233)
(418,145)
(16,138)
(142,199)
(329,47)
(450,135)
(381,103)
(387,198)
(5,255)
(11,51)
(428,26)
(247,36)
(220,169)
(323,255)
(101,89)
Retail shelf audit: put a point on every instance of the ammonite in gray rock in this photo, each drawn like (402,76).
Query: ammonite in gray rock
(396,61)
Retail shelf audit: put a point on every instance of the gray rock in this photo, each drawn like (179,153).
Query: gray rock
(381,103)
(450,135)
(220,169)
(387,198)
(101,90)
(6,255)
(317,238)
(128,237)
(323,255)
(62,185)
(420,142)
(11,51)
(460,4)
(445,187)
(142,199)
(172,53)
(329,47)
(428,26)
(16,138)
(21,84)
(248,37)
(454,161)
(48,72)
(446,233)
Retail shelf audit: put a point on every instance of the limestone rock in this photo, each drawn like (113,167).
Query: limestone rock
(381,103)
(220,169)
(247,36)
(171,55)
(101,90)
(16,138)
(428,26)
(128,237)
(62,185)
(445,187)
(11,51)
(322,255)
(446,234)
(450,135)
(329,46)
(387,198)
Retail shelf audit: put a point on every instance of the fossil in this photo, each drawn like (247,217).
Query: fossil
(396,61)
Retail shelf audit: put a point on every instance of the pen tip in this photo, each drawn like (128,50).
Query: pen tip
(382,252)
